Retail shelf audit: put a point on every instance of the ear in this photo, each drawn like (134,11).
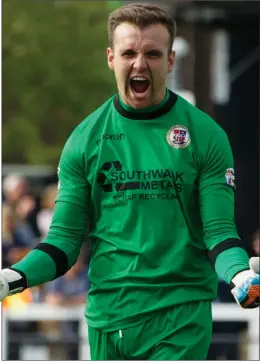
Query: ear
(171,61)
(110,58)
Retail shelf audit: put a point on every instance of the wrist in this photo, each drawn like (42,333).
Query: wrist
(231,262)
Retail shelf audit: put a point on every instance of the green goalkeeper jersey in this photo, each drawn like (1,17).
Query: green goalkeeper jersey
(155,187)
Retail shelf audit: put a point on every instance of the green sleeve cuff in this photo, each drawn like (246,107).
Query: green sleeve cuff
(38,267)
(230,262)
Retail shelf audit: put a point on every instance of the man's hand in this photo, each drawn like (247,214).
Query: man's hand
(11,282)
(246,285)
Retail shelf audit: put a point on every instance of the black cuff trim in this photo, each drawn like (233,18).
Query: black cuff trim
(58,255)
(21,283)
(224,245)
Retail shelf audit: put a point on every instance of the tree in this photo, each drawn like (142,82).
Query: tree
(54,74)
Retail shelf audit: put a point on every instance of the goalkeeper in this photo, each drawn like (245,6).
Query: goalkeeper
(153,177)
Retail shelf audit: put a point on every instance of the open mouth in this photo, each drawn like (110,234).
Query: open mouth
(139,85)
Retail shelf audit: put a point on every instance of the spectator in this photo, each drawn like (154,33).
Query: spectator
(15,186)
(17,237)
(17,195)
(44,216)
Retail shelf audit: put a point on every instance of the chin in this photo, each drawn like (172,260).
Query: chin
(141,101)
(141,104)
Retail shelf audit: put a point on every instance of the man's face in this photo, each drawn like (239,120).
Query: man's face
(141,60)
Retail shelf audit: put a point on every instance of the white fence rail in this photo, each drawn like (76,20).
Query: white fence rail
(42,312)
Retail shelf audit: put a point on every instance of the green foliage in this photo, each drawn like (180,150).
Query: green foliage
(54,73)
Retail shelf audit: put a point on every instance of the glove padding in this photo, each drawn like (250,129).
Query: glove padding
(11,282)
(246,285)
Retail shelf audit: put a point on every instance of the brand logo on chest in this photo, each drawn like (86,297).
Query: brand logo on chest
(111,137)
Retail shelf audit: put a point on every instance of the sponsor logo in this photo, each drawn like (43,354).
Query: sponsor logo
(125,185)
(178,136)
(112,137)
(230,177)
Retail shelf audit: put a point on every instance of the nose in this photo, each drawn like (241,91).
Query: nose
(140,63)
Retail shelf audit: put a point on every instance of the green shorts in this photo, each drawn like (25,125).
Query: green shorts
(179,333)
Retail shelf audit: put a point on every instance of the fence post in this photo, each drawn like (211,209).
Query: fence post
(83,349)
(4,336)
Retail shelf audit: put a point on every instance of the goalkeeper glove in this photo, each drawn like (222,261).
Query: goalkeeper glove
(246,285)
(11,282)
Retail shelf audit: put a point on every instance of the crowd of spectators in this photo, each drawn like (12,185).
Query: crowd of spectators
(26,218)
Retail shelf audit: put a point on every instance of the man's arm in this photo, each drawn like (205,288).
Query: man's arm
(60,249)
(216,186)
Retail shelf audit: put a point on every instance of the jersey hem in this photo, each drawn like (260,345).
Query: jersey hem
(138,319)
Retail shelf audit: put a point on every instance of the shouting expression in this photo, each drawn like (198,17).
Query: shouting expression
(141,60)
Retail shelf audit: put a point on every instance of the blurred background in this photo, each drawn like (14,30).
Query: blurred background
(54,73)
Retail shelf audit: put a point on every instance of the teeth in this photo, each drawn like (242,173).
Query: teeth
(139,78)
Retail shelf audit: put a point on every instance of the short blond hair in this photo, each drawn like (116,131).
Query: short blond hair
(142,15)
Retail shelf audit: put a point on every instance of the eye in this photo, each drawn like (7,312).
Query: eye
(154,54)
(128,53)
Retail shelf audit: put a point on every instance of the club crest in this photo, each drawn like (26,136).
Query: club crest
(178,136)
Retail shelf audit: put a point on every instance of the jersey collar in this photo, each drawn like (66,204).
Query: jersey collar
(148,113)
